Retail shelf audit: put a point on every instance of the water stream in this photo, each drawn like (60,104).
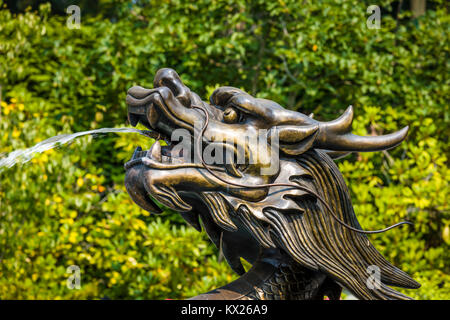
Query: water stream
(25,155)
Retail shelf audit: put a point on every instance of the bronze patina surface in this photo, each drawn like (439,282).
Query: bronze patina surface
(288,212)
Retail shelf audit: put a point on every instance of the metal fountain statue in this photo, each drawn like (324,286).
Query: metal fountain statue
(277,200)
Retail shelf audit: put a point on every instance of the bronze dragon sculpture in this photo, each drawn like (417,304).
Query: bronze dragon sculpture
(277,201)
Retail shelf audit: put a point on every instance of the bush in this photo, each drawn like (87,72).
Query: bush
(69,206)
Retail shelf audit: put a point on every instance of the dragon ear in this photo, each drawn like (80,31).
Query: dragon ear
(294,140)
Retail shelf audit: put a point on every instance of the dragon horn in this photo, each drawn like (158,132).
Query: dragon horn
(335,135)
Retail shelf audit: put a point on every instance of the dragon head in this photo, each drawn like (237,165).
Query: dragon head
(215,149)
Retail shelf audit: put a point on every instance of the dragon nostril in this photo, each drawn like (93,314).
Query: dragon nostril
(170,79)
(184,98)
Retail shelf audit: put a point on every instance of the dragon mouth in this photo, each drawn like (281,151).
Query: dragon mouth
(149,108)
(158,156)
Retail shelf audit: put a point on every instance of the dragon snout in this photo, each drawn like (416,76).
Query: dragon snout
(167,77)
(167,100)
(140,106)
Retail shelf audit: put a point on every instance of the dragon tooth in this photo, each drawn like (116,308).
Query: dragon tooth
(133,119)
(155,151)
(136,152)
(153,116)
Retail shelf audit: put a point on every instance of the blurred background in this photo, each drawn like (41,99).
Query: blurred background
(68,206)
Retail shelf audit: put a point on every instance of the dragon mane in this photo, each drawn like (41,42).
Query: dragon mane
(300,225)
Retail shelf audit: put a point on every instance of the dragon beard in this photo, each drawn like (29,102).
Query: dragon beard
(296,222)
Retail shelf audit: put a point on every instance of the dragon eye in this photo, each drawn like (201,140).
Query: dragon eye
(231,115)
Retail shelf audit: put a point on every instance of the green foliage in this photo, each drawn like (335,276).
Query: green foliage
(69,206)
